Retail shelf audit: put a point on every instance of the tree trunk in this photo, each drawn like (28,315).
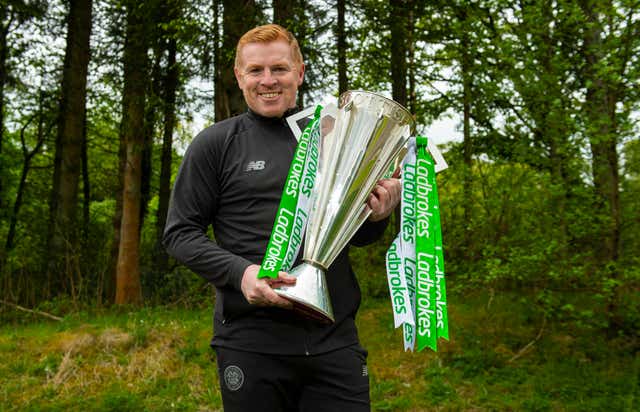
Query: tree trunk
(412,98)
(28,156)
(467,145)
(238,18)
(62,241)
(217,80)
(398,22)
(170,88)
(284,13)
(341,40)
(604,91)
(151,114)
(128,287)
(4,32)
(112,270)
(557,134)
(86,188)
(600,104)
(291,15)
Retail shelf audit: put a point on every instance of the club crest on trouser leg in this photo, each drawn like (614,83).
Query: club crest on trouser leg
(233,377)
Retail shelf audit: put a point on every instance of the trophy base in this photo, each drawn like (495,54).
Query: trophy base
(310,295)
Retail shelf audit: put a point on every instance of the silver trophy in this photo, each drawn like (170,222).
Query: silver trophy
(357,150)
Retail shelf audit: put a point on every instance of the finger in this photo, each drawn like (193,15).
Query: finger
(276,284)
(381,192)
(390,184)
(282,280)
(382,199)
(273,299)
(286,278)
(393,188)
(373,203)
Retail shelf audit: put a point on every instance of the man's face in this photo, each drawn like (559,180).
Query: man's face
(268,77)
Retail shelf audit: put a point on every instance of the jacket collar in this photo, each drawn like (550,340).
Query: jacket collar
(286,114)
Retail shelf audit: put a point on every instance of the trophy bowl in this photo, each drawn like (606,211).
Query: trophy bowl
(356,151)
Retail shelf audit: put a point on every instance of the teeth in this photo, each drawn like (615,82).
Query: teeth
(269,94)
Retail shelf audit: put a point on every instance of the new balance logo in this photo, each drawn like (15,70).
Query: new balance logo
(254,165)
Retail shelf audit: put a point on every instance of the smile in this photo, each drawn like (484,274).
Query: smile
(269,95)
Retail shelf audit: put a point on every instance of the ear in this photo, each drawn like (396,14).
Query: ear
(239,78)
(301,74)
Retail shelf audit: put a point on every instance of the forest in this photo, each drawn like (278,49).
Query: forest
(539,205)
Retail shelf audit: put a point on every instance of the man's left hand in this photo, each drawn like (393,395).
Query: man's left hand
(384,198)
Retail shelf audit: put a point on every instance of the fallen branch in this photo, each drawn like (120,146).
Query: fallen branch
(530,344)
(36,312)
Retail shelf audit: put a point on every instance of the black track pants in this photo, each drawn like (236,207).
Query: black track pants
(334,381)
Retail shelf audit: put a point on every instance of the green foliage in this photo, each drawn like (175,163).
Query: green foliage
(120,399)
(531,224)
(438,389)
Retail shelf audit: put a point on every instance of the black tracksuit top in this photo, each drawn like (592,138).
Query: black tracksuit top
(232,177)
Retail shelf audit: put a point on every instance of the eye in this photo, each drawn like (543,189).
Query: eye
(280,70)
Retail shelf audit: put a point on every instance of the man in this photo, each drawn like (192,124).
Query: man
(231,177)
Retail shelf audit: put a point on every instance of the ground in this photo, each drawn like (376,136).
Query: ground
(501,357)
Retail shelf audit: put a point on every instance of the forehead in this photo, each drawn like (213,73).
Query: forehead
(259,54)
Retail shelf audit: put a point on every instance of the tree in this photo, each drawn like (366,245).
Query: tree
(28,154)
(284,12)
(341,47)
(237,19)
(399,24)
(128,287)
(294,16)
(466,73)
(12,14)
(610,41)
(171,84)
(399,27)
(152,110)
(157,40)
(62,250)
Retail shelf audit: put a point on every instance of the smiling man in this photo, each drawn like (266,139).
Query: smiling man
(231,177)
(269,75)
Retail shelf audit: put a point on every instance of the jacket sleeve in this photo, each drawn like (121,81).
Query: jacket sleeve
(192,209)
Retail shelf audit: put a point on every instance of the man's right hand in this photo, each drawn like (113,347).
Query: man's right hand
(260,291)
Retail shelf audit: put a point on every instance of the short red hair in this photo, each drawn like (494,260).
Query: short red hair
(267,34)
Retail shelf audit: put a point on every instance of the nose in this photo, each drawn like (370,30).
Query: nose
(267,78)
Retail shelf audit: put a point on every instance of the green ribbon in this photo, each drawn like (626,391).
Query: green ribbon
(442,318)
(291,218)
(408,241)
(431,301)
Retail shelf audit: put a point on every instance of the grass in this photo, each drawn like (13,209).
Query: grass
(149,359)
(158,359)
(478,369)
